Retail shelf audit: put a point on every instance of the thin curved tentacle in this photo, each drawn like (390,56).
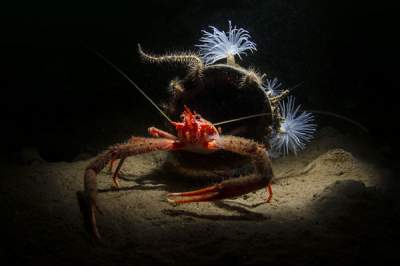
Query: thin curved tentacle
(189,59)
(237,186)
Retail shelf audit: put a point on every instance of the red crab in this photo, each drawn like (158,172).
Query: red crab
(194,134)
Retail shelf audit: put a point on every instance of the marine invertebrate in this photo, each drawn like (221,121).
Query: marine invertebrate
(193,62)
(193,134)
(218,44)
(272,87)
(223,92)
(219,91)
(285,135)
(296,129)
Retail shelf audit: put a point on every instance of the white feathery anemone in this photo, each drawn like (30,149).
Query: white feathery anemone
(217,45)
(272,87)
(296,129)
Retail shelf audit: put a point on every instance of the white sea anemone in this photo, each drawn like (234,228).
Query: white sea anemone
(217,45)
(272,87)
(296,129)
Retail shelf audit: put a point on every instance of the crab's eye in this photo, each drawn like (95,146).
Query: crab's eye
(197,117)
(182,117)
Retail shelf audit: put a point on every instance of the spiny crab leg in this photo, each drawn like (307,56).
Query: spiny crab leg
(138,146)
(111,166)
(116,173)
(153,131)
(268,189)
(238,186)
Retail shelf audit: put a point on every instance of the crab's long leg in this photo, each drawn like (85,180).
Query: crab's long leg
(138,146)
(238,186)
(158,133)
(132,140)
(116,173)
(154,132)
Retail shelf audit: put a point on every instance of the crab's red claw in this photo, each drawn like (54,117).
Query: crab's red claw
(211,193)
(226,189)
(261,178)
(195,192)
(205,194)
(204,197)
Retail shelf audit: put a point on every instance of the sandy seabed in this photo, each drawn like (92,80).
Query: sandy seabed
(332,205)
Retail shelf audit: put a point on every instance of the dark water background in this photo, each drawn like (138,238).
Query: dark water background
(59,97)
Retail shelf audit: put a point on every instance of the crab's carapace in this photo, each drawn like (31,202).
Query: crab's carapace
(194,132)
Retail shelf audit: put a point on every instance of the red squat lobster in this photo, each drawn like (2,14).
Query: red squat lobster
(194,134)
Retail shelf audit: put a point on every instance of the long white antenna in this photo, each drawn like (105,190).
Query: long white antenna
(133,83)
(295,86)
(363,128)
(241,118)
(256,115)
